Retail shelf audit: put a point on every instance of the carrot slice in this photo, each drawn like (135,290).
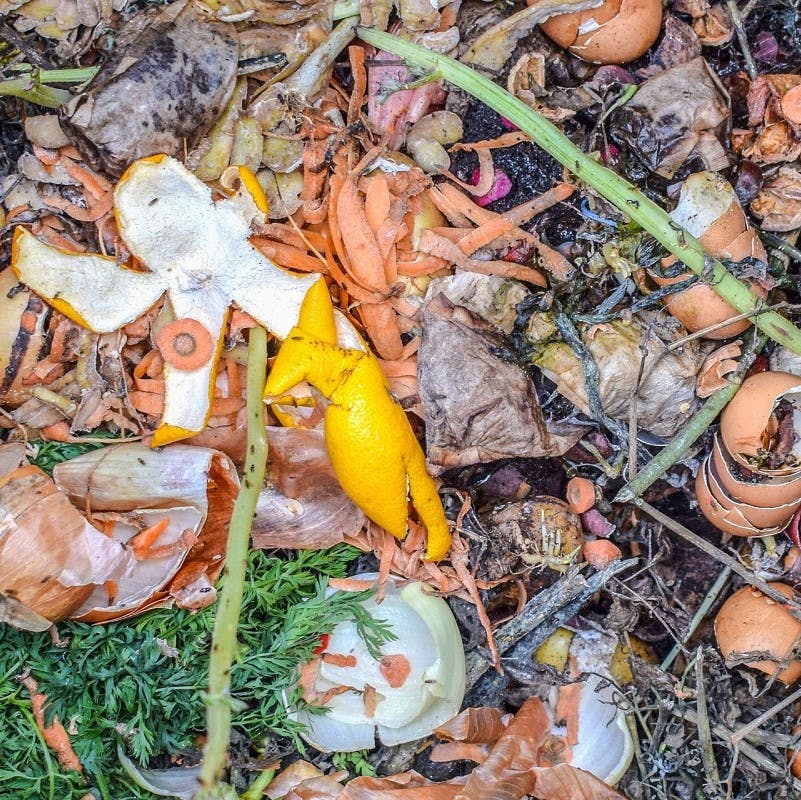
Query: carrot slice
(185,344)
(395,669)
(580,495)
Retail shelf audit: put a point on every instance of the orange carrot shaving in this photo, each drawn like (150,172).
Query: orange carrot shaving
(54,734)
(96,185)
(143,542)
(395,669)
(339,659)
(286,255)
(185,344)
(356,100)
(381,324)
(600,553)
(370,700)
(458,751)
(377,200)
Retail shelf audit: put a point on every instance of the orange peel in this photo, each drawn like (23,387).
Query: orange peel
(375,454)
(198,254)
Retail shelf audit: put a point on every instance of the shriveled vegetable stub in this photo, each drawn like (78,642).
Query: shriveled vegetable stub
(415,683)
(165,82)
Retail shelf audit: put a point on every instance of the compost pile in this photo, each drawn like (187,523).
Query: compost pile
(456,344)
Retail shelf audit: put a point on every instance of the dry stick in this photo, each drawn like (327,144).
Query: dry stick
(703,610)
(226,619)
(742,39)
(751,753)
(719,555)
(570,591)
(741,733)
(617,190)
(704,731)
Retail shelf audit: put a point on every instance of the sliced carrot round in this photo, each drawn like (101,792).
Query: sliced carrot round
(580,495)
(185,344)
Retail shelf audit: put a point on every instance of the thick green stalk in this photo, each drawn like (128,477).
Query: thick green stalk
(226,621)
(34,86)
(615,189)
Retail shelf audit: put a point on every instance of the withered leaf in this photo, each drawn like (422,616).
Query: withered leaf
(479,403)
(166,80)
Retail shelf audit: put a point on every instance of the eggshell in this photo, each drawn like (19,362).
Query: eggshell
(762,516)
(749,622)
(747,416)
(615,33)
(701,306)
(723,514)
(762,491)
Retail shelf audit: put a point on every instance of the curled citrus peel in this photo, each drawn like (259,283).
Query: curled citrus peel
(375,454)
(197,253)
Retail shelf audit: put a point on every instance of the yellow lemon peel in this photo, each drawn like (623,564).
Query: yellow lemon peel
(197,253)
(375,454)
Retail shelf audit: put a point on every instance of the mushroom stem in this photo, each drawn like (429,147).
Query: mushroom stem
(613,187)
(223,645)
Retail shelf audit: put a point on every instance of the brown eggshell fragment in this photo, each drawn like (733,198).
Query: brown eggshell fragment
(708,209)
(617,32)
(746,418)
(762,516)
(749,622)
(723,514)
(758,490)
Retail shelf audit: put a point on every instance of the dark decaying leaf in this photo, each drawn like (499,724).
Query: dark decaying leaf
(479,403)
(163,85)
(680,111)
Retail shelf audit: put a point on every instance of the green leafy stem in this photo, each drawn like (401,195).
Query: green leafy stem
(34,85)
(614,188)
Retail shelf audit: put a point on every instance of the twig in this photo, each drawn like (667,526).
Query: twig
(573,589)
(741,733)
(742,38)
(698,617)
(610,185)
(704,731)
(751,753)
(226,621)
(697,426)
(719,555)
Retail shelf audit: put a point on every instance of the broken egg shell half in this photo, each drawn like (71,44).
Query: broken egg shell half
(760,516)
(724,514)
(763,491)
(617,32)
(700,306)
(431,693)
(749,622)
(709,210)
(747,416)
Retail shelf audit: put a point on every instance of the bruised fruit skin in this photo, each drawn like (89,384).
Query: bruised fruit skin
(617,32)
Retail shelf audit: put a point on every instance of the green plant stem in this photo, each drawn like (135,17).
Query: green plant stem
(681,443)
(34,86)
(256,789)
(226,621)
(615,189)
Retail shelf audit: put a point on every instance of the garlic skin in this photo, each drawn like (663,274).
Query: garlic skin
(430,694)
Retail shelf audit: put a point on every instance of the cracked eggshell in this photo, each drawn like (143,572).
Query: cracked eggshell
(762,491)
(709,210)
(748,417)
(723,513)
(616,32)
(749,622)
